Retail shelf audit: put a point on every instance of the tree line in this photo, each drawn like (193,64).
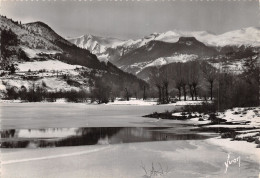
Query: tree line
(196,79)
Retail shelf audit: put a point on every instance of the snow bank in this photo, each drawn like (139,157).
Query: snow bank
(239,146)
(183,103)
(241,117)
(133,102)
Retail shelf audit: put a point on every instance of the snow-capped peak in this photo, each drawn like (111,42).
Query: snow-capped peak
(247,36)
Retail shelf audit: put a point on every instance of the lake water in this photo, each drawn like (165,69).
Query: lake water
(57,137)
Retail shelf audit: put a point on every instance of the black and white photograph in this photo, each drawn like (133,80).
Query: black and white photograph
(130,88)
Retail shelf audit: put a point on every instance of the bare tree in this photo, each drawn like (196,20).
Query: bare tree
(210,76)
(194,68)
(165,84)
(126,94)
(178,77)
(160,79)
(144,93)
(183,85)
(183,79)
(178,85)
(155,79)
(190,86)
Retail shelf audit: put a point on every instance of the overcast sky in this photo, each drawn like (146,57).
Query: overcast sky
(134,19)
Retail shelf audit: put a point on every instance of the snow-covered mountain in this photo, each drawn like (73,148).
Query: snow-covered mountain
(247,36)
(158,52)
(95,44)
(34,52)
(133,55)
(42,29)
(26,36)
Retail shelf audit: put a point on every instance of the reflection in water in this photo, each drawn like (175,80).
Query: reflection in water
(8,133)
(57,137)
(47,133)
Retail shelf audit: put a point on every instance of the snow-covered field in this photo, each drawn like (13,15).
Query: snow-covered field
(52,84)
(46,65)
(50,72)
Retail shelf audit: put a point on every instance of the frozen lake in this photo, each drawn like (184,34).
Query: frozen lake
(110,141)
(67,115)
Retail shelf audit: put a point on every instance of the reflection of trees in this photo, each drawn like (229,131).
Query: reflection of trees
(91,136)
(7,133)
(15,144)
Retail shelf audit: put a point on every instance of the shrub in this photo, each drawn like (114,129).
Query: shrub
(12,93)
(76,96)
(230,134)
(214,119)
(73,83)
(205,108)
(44,84)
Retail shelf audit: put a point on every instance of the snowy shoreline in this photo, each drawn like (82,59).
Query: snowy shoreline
(138,102)
(242,147)
(177,158)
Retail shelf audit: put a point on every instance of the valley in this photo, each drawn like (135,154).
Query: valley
(168,104)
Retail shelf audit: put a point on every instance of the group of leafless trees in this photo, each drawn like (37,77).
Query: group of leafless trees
(201,79)
(160,79)
(185,77)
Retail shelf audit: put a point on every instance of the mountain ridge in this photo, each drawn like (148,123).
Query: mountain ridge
(38,42)
(229,40)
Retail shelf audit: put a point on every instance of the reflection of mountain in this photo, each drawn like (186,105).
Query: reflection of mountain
(89,136)
(66,137)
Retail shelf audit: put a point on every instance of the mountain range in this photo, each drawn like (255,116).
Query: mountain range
(134,55)
(247,36)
